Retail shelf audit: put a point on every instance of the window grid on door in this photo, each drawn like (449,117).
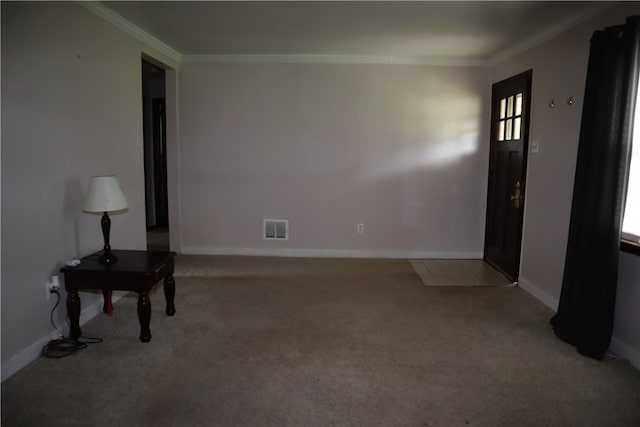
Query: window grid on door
(510,123)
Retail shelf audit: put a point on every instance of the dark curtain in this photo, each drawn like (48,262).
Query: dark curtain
(587,300)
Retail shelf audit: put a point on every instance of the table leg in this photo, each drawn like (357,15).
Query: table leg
(73,310)
(107,307)
(169,293)
(144,315)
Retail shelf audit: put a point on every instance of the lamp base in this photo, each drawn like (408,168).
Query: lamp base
(107,258)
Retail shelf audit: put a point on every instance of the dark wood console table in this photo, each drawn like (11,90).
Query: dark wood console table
(135,271)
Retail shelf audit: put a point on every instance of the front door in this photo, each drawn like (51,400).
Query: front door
(510,106)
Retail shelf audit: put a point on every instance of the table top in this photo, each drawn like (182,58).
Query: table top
(128,261)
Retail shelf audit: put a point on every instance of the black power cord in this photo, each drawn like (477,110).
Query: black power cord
(63,346)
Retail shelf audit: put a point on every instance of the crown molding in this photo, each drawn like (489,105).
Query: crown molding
(129,28)
(107,14)
(551,32)
(336,59)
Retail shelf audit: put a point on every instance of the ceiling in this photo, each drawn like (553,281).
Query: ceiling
(475,30)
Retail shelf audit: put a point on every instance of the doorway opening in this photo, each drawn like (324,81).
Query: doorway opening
(155,156)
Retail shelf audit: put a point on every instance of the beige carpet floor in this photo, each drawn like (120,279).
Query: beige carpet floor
(320,342)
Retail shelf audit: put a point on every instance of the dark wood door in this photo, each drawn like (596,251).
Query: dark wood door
(510,107)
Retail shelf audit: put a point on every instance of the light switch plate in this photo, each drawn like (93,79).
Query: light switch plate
(535,147)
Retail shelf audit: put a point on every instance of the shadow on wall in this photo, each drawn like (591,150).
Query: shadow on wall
(73,198)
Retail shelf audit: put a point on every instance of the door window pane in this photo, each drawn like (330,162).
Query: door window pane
(510,106)
(510,123)
(516,127)
(519,104)
(501,130)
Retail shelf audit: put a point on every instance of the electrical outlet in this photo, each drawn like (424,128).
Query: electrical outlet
(53,284)
(360,228)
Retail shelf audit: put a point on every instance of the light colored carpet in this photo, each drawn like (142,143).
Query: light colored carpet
(318,342)
(457,272)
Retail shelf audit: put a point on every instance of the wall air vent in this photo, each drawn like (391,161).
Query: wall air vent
(275,229)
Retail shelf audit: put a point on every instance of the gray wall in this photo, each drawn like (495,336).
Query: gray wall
(71,108)
(559,71)
(399,148)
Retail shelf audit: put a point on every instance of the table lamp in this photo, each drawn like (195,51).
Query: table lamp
(105,196)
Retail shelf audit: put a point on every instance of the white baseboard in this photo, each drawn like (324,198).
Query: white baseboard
(538,293)
(617,347)
(31,353)
(22,359)
(623,351)
(329,253)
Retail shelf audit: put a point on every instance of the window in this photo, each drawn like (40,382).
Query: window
(631,222)
(510,122)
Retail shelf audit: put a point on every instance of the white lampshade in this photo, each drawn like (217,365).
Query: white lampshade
(104,195)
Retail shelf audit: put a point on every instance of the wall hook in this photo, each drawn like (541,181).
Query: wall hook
(570,100)
(552,103)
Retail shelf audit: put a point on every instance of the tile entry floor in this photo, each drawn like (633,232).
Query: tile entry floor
(457,272)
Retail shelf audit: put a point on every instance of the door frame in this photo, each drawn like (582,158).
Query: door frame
(172,162)
(154,137)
